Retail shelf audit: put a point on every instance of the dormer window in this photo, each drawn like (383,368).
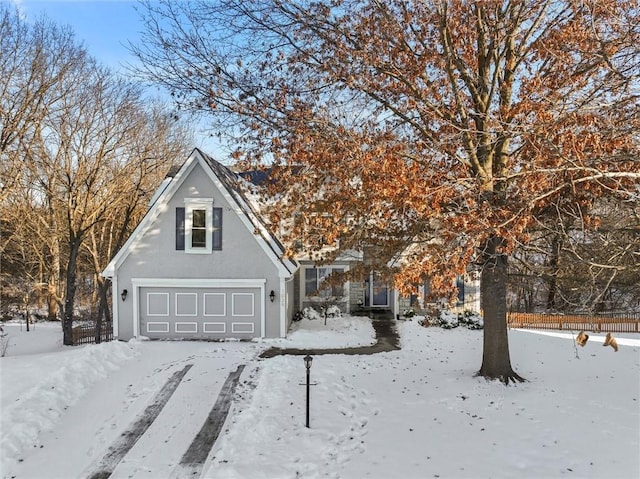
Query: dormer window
(198,226)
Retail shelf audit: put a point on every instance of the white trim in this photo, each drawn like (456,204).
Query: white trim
(243,214)
(115,307)
(302,282)
(191,204)
(372,278)
(197,282)
(263,311)
(283,308)
(136,311)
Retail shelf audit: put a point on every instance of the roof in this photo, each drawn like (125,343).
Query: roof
(233,182)
(231,186)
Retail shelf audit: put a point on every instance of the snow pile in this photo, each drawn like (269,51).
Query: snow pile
(39,407)
(339,332)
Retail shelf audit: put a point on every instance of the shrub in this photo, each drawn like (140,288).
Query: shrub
(471,320)
(448,320)
(408,313)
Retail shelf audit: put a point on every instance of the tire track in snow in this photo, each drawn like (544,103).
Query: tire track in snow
(121,447)
(193,460)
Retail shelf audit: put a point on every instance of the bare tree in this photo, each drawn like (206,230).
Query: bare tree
(33,61)
(155,142)
(575,268)
(82,152)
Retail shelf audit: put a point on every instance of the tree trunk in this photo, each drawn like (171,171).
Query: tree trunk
(553,265)
(52,303)
(53,296)
(496,363)
(103,307)
(69,299)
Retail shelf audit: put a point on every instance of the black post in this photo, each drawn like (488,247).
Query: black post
(308,394)
(307,363)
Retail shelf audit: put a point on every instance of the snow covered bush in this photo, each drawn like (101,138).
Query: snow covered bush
(312,313)
(408,313)
(471,320)
(446,319)
(449,320)
(333,311)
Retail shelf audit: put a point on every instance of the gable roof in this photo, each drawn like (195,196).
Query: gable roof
(230,185)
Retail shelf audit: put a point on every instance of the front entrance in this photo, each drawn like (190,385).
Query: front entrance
(376,292)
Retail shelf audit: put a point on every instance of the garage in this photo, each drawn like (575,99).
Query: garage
(189,312)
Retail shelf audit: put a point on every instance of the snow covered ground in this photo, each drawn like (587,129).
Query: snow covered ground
(414,413)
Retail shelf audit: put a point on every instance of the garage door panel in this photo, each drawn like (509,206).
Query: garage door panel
(184,327)
(157,304)
(157,327)
(186,304)
(200,313)
(237,327)
(208,327)
(215,304)
(242,304)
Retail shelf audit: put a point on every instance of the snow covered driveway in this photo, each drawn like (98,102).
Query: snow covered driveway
(78,432)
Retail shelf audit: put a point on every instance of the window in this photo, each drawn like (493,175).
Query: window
(198,226)
(315,282)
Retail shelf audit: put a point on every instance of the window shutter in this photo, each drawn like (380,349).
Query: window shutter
(180,229)
(217,228)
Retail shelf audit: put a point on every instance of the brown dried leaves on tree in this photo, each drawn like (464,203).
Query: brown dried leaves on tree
(437,131)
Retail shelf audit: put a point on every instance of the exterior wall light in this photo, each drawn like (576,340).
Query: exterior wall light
(272,296)
(123,295)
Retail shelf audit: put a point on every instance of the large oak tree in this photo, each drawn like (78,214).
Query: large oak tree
(438,131)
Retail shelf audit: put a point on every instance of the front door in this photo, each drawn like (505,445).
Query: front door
(376,292)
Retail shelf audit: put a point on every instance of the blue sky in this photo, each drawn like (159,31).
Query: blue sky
(104,26)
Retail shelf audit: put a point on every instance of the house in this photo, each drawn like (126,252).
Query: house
(201,264)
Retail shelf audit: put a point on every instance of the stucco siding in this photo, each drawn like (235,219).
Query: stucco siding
(154,254)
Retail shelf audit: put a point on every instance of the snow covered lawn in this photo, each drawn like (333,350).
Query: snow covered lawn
(414,413)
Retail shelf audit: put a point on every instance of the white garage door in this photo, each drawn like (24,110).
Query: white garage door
(200,313)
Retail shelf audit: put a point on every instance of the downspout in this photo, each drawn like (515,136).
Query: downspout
(283,305)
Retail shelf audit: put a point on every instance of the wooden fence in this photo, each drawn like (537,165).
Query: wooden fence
(86,334)
(617,323)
